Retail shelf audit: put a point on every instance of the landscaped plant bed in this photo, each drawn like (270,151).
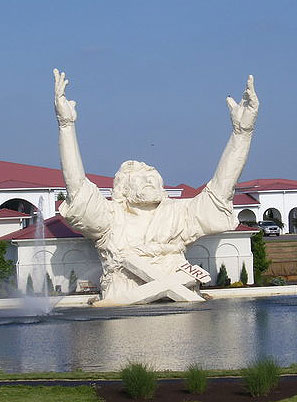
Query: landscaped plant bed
(218,390)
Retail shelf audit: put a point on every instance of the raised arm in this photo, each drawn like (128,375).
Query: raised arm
(71,162)
(243,117)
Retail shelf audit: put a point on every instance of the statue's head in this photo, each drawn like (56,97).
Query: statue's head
(139,184)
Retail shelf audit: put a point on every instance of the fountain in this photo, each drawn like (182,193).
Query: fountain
(41,303)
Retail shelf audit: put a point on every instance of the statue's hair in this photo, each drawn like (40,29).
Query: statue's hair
(121,183)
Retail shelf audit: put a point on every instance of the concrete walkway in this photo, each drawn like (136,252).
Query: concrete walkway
(81,300)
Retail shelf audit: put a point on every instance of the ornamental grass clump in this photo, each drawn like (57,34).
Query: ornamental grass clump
(196,379)
(262,377)
(140,380)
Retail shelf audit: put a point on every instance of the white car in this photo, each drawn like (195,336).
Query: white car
(269,228)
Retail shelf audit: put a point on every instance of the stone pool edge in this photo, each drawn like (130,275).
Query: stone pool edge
(81,300)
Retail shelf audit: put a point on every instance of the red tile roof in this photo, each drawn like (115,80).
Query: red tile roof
(267,184)
(9,213)
(244,199)
(188,192)
(7,184)
(57,204)
(55,227)
(41,176)
(244,228)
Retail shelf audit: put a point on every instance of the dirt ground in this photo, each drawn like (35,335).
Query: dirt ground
(218,390)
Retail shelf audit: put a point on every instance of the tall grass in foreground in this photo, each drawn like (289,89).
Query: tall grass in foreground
(140,380)
(262,377)
(196,379)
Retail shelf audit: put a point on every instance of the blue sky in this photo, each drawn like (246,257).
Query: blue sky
(150,78)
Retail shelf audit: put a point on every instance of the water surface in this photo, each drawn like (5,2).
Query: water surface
(226,333)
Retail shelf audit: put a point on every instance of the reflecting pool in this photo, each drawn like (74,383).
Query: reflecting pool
(226,333)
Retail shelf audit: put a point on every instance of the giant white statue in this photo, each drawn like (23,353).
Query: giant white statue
(141,234)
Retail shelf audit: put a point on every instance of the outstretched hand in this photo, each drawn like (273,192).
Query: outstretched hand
(65,109)
(244,114)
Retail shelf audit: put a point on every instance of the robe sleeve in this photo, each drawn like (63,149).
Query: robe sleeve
(89,212)
(206,214)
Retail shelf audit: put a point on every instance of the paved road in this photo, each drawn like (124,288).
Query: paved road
(286,237)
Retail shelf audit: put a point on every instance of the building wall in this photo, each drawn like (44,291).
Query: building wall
(61,256)
(58,258)
(282,200)
(32,196)
(9,225)
(229,248)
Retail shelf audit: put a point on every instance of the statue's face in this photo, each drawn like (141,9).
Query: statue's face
(145,187)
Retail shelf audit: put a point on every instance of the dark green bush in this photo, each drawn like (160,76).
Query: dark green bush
(277,281)
(262,377)
(29,286)
(261,262)
(244,274)
(72,282)
(223,279)
(49,284)
(196,379)
(140,380)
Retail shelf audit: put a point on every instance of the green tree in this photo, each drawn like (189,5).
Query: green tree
(244,274)
(29,286)
(61,197)
(223,279)
(49,284)
(6,266)
(72,282)
(261,262)
(7,277)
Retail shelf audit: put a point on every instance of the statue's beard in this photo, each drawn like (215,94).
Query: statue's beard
(146,196)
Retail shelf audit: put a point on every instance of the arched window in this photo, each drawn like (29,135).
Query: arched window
(247,217)
(293,220)
(273,214)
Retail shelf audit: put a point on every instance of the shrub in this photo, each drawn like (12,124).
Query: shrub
(262,377)
(223,279)
(7,272)
(72,282)
(196,379)
(238,284)
(29,286)
(261,261)
(277,281)
(244,274)
(49,284)
(139,380)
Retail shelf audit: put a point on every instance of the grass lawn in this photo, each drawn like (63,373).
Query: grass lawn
(116,375)
(293,399)
(21,393)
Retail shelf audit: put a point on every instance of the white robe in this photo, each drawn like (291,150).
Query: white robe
(161,240)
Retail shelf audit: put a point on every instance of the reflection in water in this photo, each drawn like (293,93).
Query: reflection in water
(217,334)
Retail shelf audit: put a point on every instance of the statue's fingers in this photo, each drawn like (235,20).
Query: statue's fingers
(231,103)
(57,77)
(252,96)
(63,86)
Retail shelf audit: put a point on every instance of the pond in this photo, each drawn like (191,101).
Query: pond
(218,334)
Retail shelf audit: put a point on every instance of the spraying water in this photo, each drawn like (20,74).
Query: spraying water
(39,269)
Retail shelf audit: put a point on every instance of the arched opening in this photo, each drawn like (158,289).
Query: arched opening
(247,217)
(273,214)
(20,205)
(293,220)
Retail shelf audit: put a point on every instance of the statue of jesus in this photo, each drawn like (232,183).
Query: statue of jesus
(141,235)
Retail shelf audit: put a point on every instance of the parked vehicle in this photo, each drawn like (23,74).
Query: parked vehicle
(269,228)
